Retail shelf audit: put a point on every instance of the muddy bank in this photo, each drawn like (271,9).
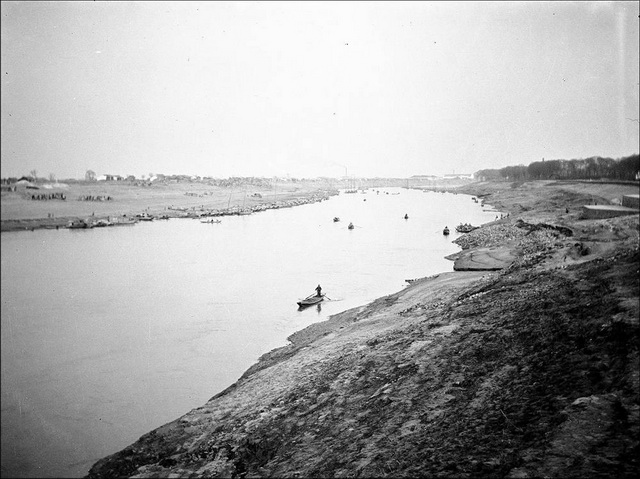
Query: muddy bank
(528,371)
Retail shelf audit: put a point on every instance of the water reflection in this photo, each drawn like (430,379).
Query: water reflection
(309,306)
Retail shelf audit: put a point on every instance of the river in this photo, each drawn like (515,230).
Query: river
(109,333)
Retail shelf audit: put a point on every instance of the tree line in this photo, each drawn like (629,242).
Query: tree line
(597,167)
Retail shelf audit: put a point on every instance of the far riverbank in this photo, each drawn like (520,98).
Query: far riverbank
(27,208)
(101,201)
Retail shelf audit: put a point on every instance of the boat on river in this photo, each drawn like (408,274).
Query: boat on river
(310,300)
(465,228)
(79,224)
(445,231)
(123,221)
(101,223)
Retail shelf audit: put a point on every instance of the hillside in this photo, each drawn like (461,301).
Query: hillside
(531,371)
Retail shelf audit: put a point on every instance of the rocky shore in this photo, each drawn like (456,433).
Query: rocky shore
(529,369)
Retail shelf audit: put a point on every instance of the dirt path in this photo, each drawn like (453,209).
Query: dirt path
(530,371)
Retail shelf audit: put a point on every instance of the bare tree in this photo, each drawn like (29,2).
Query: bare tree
(90,175)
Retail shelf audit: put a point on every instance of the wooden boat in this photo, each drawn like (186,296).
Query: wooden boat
(79,224)
(101,223)
(145,217)
(336,219)
(310,300)
(210,221)
(350,226)
(465,228)
(123,221)
(445,231)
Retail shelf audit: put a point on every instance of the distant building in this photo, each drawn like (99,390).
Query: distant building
(424,177)
(24,183)
(110,178)
(451,176)
(598,212)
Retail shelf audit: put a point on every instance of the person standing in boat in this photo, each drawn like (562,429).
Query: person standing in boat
(318,291)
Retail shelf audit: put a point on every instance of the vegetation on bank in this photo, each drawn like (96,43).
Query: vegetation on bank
(594,168)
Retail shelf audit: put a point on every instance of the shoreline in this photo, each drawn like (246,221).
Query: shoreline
(95,201)
(449,364)
(158,206)
(62,222)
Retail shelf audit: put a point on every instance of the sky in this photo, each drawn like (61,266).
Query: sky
(305,89)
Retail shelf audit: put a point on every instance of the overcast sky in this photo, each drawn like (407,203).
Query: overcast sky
(314,88)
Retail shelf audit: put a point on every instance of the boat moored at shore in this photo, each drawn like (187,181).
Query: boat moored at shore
(465,228)
(79,225)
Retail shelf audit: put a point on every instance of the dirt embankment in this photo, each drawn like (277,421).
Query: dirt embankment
(530,371)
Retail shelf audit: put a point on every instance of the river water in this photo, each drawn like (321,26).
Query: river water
(109,333)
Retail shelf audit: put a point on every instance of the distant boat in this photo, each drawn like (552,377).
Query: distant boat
(210,221)
(350,226)
(79,224)
(465,228)
(101,223)
(310,300)
(336,219)
(144,217)
(445,231)
(123,221)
